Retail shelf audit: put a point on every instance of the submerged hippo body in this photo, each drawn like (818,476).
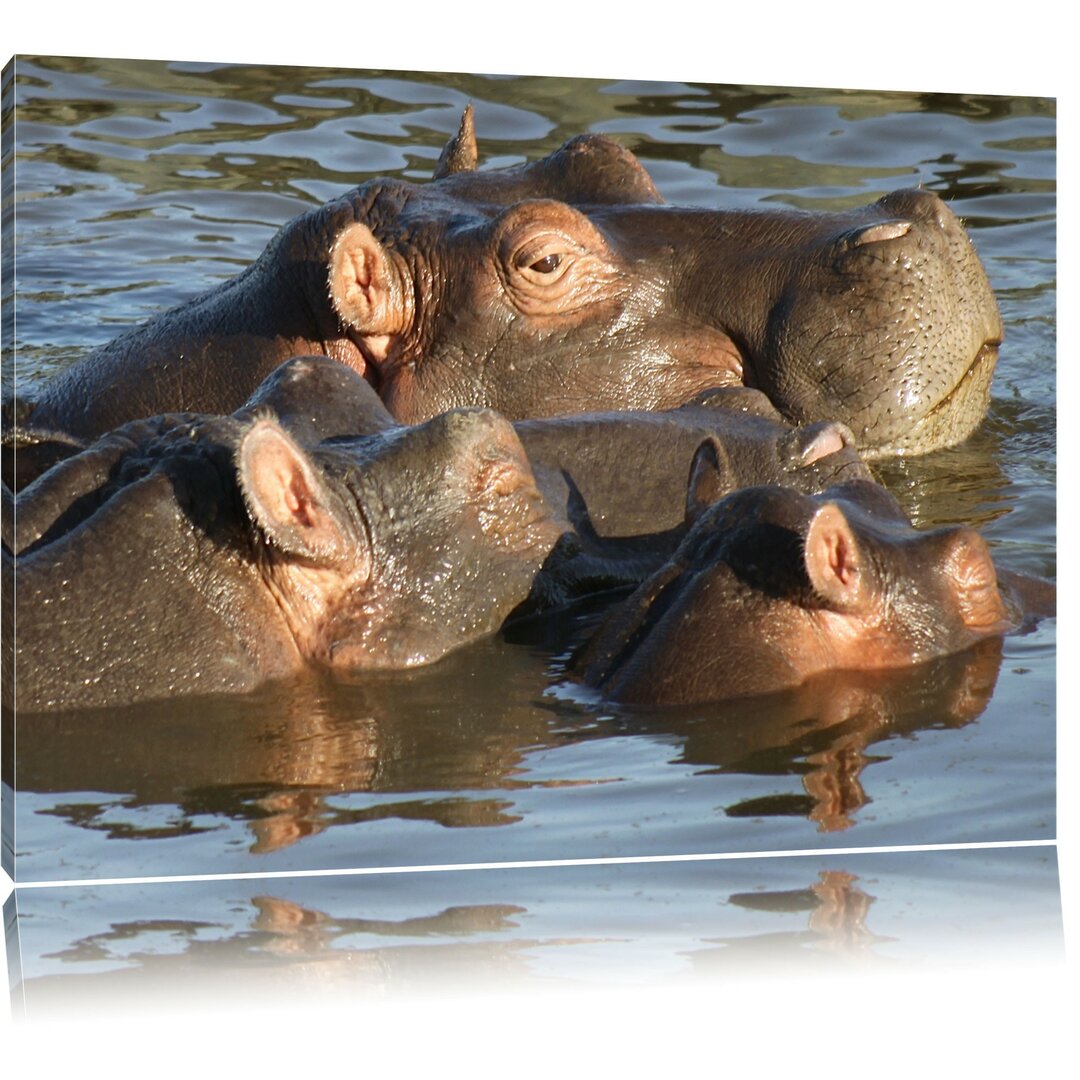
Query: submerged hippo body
(222,553)
(564,286)
(771,588)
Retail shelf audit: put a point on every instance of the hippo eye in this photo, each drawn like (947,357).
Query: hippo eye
(547,265)
(551,259)
(545,262)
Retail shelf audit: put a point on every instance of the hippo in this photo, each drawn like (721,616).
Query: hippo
(566,285)
(299,535)
(641,472)
(771,588)
(615,476)
(226,554)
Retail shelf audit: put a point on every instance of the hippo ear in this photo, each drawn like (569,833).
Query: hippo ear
(971,570)
(288,499)
(366,288)
(834,562)
(459,154)
(712,476)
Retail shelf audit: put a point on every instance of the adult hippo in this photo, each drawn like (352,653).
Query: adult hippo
(771,588)
(565,285)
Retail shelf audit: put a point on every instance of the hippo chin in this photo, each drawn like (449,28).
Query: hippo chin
(562,286)
(771,588)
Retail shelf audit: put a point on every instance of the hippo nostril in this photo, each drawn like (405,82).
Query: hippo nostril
(920,204)
(813,442)
(885,230)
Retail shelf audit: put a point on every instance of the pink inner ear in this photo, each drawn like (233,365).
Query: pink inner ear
(364,284)
(292,501)
(284,495)
(972,571)
(832,556)
(840,559)
(276,479)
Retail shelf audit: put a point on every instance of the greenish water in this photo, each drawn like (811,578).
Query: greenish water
(140,184)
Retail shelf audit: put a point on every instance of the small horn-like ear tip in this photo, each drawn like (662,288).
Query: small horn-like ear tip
(460,153)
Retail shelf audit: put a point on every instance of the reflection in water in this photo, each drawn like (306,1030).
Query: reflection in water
(822,730)
(835,922)
(93,948)
(284,766)
(836,925)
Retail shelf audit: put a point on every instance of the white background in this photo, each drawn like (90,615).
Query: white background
(982,1022)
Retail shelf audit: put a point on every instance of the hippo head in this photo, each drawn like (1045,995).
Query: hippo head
(560,286)
(771,587)
(564,285)
(503,289)
(390,550)
(890,314)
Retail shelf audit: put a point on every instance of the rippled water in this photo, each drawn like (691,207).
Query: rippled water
(140,184)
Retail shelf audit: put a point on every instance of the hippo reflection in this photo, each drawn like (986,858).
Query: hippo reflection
(565,285)
(295,759)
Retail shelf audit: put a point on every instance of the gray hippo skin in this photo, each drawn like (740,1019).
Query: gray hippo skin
(771,588)
(224,554)
(565,285)
(628,469)
(162,557)
(610,475)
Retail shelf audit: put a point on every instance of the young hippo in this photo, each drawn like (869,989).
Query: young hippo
(630,468)
(771,587)
(221,552)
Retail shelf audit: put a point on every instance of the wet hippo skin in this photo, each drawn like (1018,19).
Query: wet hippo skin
(382,545)
(226,554)
(618,474)
(771,587)
(566,285)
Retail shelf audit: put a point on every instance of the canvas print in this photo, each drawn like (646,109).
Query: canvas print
(414,469)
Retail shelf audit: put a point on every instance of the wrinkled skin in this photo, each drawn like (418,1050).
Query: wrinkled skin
(564,286)
(222,553)
(611,475)
(771,588)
